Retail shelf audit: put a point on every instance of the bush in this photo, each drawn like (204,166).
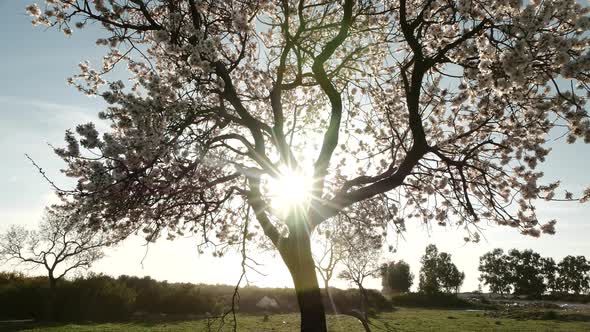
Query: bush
(96,298)
(579,298)
(22,298)
(346,300)
(249,297)
(103,298)
(437,300)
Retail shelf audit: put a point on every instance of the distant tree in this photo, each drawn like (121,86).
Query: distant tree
(360,262)
(57,246)
(396,277)
(438,273)
(450,277)
(495,271)
(328,253)
(549,272)
(574,274)
(527,272)
(428,279)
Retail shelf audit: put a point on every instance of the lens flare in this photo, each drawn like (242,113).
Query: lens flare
(291,190)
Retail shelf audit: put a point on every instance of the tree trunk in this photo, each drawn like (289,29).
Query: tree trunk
(329,295)
(296,253)
(361,318)
(50,304)
(364,302)
(52,283)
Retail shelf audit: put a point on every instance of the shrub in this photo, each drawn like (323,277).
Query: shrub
(22,298)
(346,300)
(96,298)
(436,300)
(103,298)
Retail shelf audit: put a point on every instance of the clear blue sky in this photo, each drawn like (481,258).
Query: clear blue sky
(37,106)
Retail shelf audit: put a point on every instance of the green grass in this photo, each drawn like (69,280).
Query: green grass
(455,320)
(400,320)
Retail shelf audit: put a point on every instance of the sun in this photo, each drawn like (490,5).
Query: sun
(290,190)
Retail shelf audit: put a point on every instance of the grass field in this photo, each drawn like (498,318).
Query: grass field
(400,320)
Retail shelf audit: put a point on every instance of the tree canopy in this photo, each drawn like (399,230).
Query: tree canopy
(447,104)
(58,245)
(396,277)
(574,274)
(526,276)
(495,271)
(532,275)
(438,273)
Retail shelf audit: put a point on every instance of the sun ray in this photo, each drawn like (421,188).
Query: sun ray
(289,191)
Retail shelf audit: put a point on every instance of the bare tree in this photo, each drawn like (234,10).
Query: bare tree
(329,252)
(361,261)
(57,246)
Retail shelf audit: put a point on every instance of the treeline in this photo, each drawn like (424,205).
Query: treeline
(438,275)
(527,273)
(439,282)
(104,298)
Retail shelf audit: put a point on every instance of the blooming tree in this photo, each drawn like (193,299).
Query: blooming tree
(396,109)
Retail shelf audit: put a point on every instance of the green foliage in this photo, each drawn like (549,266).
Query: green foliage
(527,273)
(96,298)
(495,271)
(438,273)
(21,297)
(103,298)
(575,298)
(530,274)
(346,300)
(405,319)
(397,277)
(435,300)
(169,298)
(574,274)
(429,282)
(450,277)
(549,272)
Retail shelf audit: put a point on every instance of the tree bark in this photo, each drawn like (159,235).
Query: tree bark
(296,253)
(50,304)
(52,283)
(364,302)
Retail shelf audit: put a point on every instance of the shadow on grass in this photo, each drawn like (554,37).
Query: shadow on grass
(148,321)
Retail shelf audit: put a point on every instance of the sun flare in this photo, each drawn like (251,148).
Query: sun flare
(292,189)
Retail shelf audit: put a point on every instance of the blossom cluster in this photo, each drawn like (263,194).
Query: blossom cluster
(437,111)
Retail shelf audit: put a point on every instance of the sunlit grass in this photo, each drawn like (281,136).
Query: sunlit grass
(400,320)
